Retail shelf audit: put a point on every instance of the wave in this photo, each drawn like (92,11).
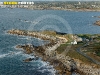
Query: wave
(10,54)
(26,21)
(17,53)
(49,69)
(17,48)
(28,56)
(42,66)
(3,55)
(45,67)
(27,38)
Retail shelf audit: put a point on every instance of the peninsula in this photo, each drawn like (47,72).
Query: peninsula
(56,52)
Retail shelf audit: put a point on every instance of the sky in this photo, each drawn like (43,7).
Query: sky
(49,0)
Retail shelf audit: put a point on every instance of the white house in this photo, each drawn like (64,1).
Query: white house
(74,42)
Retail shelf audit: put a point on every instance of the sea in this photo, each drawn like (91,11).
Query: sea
(11,58)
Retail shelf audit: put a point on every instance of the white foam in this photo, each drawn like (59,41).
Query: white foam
(48,69)
(26,21)
(27,38)
(35,22)
(17,53)
(3,55)
(22,38)
(45,67)
(27,56)
(10,54)
(17,48)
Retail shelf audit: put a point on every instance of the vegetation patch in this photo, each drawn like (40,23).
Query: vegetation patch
(61,48)
(74,54)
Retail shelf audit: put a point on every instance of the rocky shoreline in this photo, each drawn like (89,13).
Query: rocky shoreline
(64,64)
(47,52)
(58,65)
(66,69)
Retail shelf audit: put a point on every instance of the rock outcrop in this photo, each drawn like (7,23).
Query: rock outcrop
(97,23)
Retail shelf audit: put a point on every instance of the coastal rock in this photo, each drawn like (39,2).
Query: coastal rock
(97,23)
(27,48)
(97,16)
(28,60)
(31,59)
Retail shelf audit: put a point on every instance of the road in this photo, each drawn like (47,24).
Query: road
(88,57)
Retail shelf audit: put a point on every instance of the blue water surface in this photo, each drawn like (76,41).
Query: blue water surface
(11,59)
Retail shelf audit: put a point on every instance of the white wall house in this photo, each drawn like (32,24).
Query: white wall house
(74,42)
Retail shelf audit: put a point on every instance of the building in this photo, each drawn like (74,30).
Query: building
(74,42)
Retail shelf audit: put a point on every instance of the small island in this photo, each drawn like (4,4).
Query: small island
(97,23)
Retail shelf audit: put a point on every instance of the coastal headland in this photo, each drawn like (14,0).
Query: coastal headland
(54,52)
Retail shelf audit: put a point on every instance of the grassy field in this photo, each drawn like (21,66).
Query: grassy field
(54,33)
(61,48)
(72,52)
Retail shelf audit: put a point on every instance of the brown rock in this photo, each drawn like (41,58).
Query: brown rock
(28,60)
(97,23)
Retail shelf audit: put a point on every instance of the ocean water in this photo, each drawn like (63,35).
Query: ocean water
(11,59)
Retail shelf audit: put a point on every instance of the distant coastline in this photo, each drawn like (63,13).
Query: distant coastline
(60,5)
